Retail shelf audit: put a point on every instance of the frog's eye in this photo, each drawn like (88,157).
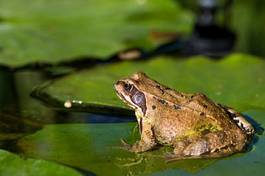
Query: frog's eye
(128,87)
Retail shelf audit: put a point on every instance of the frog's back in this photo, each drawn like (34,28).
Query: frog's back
(162,92)
(199,116)
(182,112)
(197,102)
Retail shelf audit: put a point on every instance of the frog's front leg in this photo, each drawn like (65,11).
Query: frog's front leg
(147,140)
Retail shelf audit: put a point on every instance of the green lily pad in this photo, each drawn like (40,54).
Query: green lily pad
(12,164)
(51,32)
(237,80)
(97,149)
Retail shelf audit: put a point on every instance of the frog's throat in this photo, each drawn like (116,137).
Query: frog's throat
(139,120)
(138,114)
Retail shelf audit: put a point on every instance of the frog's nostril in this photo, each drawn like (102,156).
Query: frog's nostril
(118,85)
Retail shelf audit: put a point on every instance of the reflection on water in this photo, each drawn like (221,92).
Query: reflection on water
(22,115)
(96,118)
(16,102)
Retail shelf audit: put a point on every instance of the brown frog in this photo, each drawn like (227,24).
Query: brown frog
(194,125)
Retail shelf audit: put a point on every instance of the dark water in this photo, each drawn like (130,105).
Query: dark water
(22,115)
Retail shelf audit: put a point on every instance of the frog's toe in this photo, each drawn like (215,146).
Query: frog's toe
(136,148)
(125,145)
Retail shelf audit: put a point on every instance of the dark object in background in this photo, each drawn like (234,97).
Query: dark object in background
(208,37)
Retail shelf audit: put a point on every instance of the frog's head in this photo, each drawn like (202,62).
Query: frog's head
(129,90)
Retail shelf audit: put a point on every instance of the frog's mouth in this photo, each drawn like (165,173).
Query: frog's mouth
(124,99)
(120,95)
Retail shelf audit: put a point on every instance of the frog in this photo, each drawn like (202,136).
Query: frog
(192,124)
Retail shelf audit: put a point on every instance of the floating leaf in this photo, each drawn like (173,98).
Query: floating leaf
(237,81)
(12,164)
(97,149)
(43,31)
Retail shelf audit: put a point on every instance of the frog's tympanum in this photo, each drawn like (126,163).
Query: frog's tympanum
(194,125)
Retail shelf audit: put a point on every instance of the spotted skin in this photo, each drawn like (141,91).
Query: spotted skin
(194,125)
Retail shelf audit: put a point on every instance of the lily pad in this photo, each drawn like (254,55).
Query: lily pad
(238,81)
(12,164)
(51,32)
(97,149)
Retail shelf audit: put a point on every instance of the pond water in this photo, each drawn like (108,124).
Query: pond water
(21,115)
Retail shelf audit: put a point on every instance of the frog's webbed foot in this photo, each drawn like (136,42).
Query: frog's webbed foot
(125,145)
(138,147)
